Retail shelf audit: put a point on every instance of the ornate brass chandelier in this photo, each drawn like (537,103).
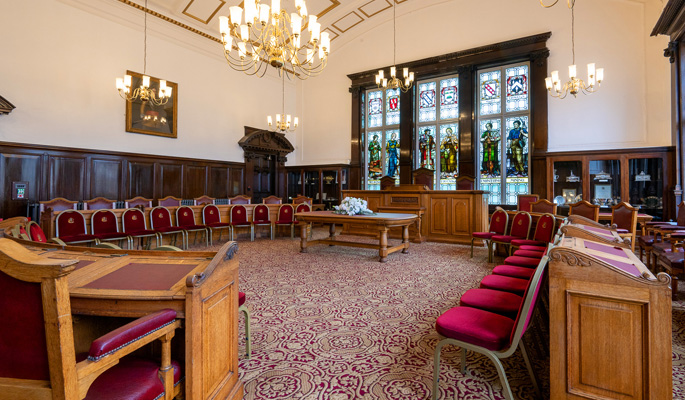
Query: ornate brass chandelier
(283,121)
(407,79)
(575,85)
(144,92)
(271,36)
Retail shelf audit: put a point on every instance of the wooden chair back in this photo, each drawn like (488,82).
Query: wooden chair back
(272,200)
(240,199)
(302,199)
(387,182)
(523,201)
(680,215)
(584,209)
(543,206)
(58,204)
(138,201)
(169,201)
(465,182)
(202,200)
(624,216)
(423,176)
(98,203)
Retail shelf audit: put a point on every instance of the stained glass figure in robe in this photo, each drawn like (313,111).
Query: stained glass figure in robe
(427,148)
(375,109)
(392,149)
(448,153)
(516,143)
(375,168)
(490,143)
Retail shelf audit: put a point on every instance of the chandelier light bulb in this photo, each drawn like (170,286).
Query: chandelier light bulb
(275,7)
(146,81)
(600,75)
(296,24)
(572,71)
(263,14)
(236,14)
(269,120)
(295,122)
(393,72)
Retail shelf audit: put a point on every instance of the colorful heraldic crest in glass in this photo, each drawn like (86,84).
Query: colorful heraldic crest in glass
(375,109)
(449,98)
(427,102)
(392,114)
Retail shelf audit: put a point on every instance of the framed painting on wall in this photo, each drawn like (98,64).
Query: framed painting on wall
(142,116)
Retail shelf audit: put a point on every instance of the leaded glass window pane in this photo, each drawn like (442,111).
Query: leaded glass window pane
(449,98)
(427,147)
(517,157)
(392,112)
(449,156)
(392,153)
(375,109)
(490,92)
(490,148)
(517,88)
(427,102)
(374,158)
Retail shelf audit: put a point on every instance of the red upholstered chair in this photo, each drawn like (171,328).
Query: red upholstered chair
(243,308)
(160,222)
(524,201)
(98,203)
(520,229)
(133,224)
(37,340)
(240,199)
(302,208)
(272,200)
(185,219)
(35,232)
(544,232)
(212,220)
(202,200)
(169,201)
(260,217)
(238,219)
(465,183)
(71,228)
(624,216)
(104,226)
(302,199)
(138,201)
(489,333)
(286,216)
(584,209)
(543,206)
(498,226)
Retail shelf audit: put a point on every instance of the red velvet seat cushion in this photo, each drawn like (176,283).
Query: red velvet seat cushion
(218,225)
(533,248)
(528,242)
(483,235)
(132,378)
(529,253)
(193,227)
(522,261)
(146,232)
(482,328)
(505,283)
(503,303)
(241,298)
(112,235)
(243,223)
(169,229)
(504,238)
(77,238)
(514,271)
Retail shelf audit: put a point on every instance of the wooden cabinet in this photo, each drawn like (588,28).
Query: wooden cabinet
(323,183)
(642,177)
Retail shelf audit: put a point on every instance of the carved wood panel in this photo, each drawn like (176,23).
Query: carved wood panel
(66,177)
(171,182)
(438,215)
(461,216)
(194,181)
(218,182)
(141,180)
(237,179)
(104,174)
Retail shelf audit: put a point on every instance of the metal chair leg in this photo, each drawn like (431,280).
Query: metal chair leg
(436,368)
(248,338)
(529,366)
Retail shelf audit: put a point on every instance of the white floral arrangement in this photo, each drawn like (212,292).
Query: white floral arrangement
(353,206)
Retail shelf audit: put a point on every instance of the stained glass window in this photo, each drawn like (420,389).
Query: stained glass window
(449,98)
(503,133)
(374,160)
(392,154)
(449,156)
(375,109)
(392,112)
(490,92)
(517,88)
(427,147)
(427,102)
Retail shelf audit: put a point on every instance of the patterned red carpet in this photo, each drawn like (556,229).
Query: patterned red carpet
(337,324)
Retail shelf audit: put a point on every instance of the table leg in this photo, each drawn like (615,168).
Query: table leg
(405,239)
(383,250)
(303,237)
(331,233)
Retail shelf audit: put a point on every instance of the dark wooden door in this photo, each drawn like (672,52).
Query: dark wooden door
(263,169)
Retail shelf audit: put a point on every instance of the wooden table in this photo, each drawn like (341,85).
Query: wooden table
(202,287)
(642,219)
(380,222)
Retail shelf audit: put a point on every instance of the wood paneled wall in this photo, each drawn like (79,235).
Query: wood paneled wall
(78,174)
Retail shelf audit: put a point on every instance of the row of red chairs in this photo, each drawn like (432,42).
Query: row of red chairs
(71,224)
(493,318)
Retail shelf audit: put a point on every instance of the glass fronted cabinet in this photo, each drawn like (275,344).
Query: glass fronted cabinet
(642,177)
(294,185)
(324,184)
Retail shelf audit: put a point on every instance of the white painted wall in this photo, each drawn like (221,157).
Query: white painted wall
(59,64)
(630,110)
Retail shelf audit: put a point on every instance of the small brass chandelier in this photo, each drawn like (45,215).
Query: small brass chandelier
(144,92)
(575,85)
(283,121)
(395,82)
(271,36)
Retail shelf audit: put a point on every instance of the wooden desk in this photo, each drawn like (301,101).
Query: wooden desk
(380,222)
(595,233)
(610,324)
(202,287)
(642,220)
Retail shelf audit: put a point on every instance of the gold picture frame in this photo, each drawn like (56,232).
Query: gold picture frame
(146,118)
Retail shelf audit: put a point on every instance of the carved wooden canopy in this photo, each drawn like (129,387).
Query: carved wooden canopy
(5,106)
(263,141)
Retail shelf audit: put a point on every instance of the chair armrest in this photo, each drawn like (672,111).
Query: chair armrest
(130,333)
(57,241)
